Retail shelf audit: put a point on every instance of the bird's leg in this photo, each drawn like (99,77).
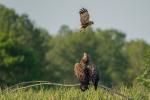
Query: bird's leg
(95,85)
(83,86)
(95,82)
(81,29)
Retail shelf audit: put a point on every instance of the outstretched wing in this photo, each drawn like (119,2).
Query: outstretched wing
(84,16)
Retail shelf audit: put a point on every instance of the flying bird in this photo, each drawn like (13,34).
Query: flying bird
(84,18)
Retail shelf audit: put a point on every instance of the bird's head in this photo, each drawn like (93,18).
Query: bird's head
(86,57)
(91,22)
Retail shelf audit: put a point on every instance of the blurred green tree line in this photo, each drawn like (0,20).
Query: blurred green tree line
(29,53)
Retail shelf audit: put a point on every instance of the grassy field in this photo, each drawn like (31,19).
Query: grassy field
(73,93)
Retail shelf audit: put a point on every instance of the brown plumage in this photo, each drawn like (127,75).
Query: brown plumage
(81,72)
(85,72)
(94,76)
(84,18)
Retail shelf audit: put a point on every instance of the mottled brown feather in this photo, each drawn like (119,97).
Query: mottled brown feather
(84,18)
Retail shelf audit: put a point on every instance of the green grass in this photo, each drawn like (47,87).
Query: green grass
(74,93)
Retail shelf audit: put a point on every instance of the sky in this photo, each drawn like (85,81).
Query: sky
(129,16)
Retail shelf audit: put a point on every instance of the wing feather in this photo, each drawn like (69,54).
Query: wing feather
(84,16)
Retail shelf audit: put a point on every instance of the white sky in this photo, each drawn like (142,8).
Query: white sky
(129,16)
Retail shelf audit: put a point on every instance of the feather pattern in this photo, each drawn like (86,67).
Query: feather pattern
(86,72)
(84,18)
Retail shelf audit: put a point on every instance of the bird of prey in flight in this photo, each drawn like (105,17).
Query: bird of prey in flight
(84,18)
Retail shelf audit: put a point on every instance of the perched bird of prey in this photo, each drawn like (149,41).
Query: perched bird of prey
(84,18)
(86,72)
(81,72)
